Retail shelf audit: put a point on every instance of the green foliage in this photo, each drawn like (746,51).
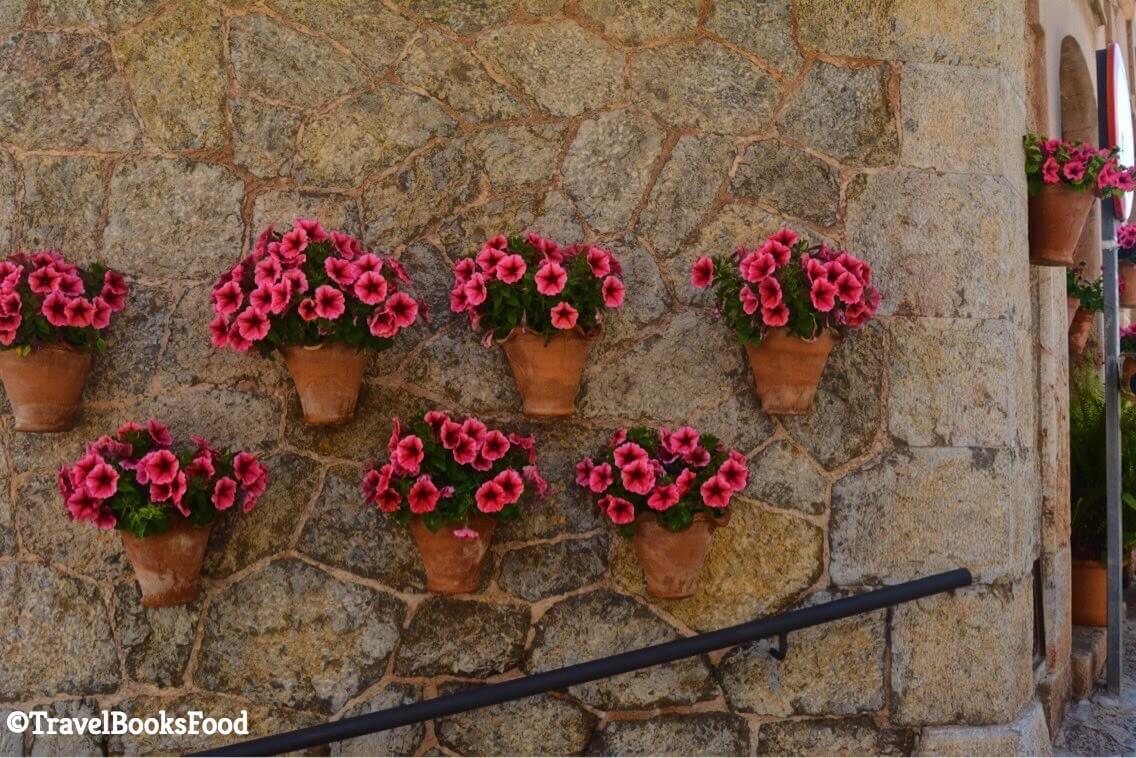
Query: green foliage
(1087,482)
(36,331)
(803,321)
(1089,292)
(1038,151)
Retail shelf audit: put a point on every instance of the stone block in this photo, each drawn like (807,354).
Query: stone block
(460,637)
(9,191)
(156,642)
(108,15)
(401,741)
(540,725)
(372,32)
(788,180)
(758,564)
(135,340)
(515,156)
(292,635)
(448,71)
(281,208)
(697,734)
(763,27)
(826,737)
(784,476)
(264,137)
(645,301)
(635,22)
(67,744)
(1026,735)
(962,657)
(538,571)
(63,196)
(465,17)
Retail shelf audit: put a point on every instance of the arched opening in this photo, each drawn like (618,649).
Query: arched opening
(1079,123)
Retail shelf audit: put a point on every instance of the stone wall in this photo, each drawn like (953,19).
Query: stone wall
(161,136)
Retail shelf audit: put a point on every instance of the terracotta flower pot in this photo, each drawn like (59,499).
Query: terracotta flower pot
(672,561)
(787,370)
(1079,330)
(44,386)
(548,373)
(1056,217)
(1127,375)
(453,565)
(168,565)
(1073,304)
(327,378)
(1127,272)
(1090,593)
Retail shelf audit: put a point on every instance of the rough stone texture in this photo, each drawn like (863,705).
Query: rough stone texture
(63,196)
(401,741)
(281,208)
(9,187)
(239,540)
(684,191)
(267,55)
(607,167)
(403,203)
(554,726)
(62,90)
(49,621)
(962,513)
(845,113)
(368,133)
(645,300)
(823,737)
(373,33)
(462,638)
(758,564)
(67,744)
(209,412)
(763,27)
(789,181)
(1027,735)
(10,742)
(457,368)
(602,623)
(452,74)
(111,15)
(7,527)
(264,137)
(514,156)
(803,684)
(290,634)
(942,647)
(465,17)
(694,734)
(185,47)
(565,69)
(782,476)
(155,641)
(637,21)
(345,533)
(540,571)
(193,207)
(915,227)
(703,85)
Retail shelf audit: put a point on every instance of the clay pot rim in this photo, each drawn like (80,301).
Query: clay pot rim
(177,521)
(575,331)
(421,517)
(1066,187)
(63,347)
(832,332)
(719,520)
(313,348)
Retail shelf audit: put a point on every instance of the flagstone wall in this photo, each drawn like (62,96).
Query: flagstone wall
(160,137)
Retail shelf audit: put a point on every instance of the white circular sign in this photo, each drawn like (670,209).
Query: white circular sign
(1119,122)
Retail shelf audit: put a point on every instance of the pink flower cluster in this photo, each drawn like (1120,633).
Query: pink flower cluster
(835,285)
(1126,236)
(1081,165)
(494,469)
(45,285)
(577,278)
(118,477)
(322,280)
(679,471)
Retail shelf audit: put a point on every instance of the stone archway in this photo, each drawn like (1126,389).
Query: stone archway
(1079,123)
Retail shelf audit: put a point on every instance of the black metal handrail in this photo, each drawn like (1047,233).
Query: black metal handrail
(562,678)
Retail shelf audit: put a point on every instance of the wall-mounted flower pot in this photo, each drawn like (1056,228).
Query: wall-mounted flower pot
(168,565)
(548,371)
(1079,330)
(1128,375)
(327,378)
(1056,217)
(787,370)
(453,565)
(44,387)
(672,561)
(1090,593)
(1072,304)
(1127,272)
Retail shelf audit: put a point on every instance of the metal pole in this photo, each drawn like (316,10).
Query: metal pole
(562,678)
(1112,466)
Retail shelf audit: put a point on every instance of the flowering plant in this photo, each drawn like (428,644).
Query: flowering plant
(307,287)
(135,481)
(673,474)
(786,282)
(45,299)
(1128,339)
(1126,240)
(1090,293)
(442,468)
(534,283)
(1078,166)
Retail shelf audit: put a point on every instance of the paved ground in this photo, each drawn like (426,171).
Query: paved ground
(1103,725)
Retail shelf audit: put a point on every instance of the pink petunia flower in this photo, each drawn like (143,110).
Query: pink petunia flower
(100,317)
(628,453)
(159,433)
(702,273)
(161,466)
(389,500)
(490,497)
(511,269)
(346,245)
(495,445)
(613,292)
(307,309)
(408,454)
(465,533)
(563,315)
(465,451)
(780,251)
(599,260)
(44,280)
(823,295)
(511,485)
(715,492)
(342,272)
(584,471)
(102,481)
(227,299)
(247,468)
(620,511)
(776,316)
(293,243)
(532,475)
(698,457)
(371,288)
(684,481)
(475,290)
(330,302)
(683,440)
(638,477)
(1050,171)
(267,271)
(750,301)
(79,312)
(786,236)
(734,473)
(464,269)
(757,266)
(550,279)
(423,495)
(315,232)
(663,497)
(224,493)
(488,259)
(848,288)
(252,324)
(403,309)
(600,478)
